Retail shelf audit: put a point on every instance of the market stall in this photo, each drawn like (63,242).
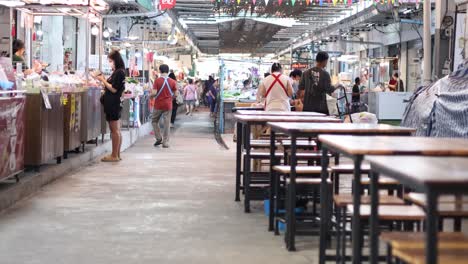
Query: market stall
(91,109)
(58,37)
(44,128)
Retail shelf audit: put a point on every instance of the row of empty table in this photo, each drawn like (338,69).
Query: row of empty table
(382,145)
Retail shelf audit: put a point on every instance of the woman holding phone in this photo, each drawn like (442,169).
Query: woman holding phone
(114,87)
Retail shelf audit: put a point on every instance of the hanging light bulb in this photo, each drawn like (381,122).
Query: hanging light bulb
(106,33)
(95,30)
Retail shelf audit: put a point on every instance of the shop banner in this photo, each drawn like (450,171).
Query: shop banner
(167,4)
(12,136)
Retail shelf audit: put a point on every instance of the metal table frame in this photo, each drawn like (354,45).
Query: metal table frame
(432,194)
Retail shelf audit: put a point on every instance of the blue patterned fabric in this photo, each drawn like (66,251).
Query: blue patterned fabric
(441,109)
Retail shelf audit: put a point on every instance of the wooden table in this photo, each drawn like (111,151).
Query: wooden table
(357,147)
(296,130)
(277,113)
(432,175)
(244,123)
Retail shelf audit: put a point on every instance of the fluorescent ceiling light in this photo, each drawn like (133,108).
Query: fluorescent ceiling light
(11,3)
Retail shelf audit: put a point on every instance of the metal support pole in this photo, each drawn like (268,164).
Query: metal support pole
(427,72)
(88,44)
(100,43)
(11,37)
(221,97)
(466,33)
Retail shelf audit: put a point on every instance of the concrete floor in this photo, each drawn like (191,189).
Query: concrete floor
(156,206)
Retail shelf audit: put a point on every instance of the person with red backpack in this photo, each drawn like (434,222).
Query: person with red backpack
(164,90)
(276,90)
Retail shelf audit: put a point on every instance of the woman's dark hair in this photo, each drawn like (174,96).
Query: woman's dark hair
(117,59)
(17,45)
(296,73)
(395,74)
(322,56)
(357,80)
(190,81)
(276,67)
(171,75)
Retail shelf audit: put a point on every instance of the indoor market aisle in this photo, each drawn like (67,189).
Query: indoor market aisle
(157,206)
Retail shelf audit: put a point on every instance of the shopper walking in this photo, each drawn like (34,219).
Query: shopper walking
(276,90)
(114,87)
(356,96)
(175,105)
(211,97)
(190,96)
(315,85)
(164,91)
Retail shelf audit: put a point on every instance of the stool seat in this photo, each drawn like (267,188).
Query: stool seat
(382,181)
(417,239)
(257,154)
(308,181)
(299,143)
(342,200)
(420,199)
(264,155)
(445,256)
(284,169)
(392,212)
(349,168)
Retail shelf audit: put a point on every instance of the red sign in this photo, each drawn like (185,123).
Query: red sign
(167,4)
(299,66)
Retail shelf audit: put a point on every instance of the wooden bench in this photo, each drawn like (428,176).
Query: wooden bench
(446,240)
(300,170)
(342,200)
(420,199)
(349,168)
(418,256)
(449,207)
(393,212)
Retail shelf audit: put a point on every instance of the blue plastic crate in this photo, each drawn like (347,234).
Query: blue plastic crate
(266,208)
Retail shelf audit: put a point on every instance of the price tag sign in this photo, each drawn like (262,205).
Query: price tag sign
(45,98)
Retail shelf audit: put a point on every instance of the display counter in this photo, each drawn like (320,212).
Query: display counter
(388,105)
(44,129)
(72,121)
(91,113)
(12,137)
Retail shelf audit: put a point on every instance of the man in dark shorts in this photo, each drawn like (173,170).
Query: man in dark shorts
(314,86)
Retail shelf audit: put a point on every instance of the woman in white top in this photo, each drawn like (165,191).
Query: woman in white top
(276,90)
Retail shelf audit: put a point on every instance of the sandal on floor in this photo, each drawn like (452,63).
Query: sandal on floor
(110,159)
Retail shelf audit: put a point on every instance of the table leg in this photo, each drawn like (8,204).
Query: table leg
(291,216)
(374,218)
(247,168)
(273,186)
(431,228)
(356,221)
(323,207)
(238,160)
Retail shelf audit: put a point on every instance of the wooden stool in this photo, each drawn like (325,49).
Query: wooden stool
(307,181)
(445,256)
(388,214)
(449,207)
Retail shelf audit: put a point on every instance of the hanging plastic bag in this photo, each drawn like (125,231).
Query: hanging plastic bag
(332,107)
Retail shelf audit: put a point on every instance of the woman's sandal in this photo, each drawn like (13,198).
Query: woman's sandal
(110,159)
